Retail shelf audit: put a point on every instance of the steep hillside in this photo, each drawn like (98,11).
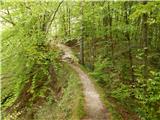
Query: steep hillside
(66,101)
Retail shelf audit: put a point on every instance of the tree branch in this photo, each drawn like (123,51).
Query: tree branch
(53,17)
(9,21)
(10,18)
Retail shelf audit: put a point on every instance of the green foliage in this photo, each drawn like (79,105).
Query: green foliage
(147,94)
(71,104)
(99,72)
(122,92)
(119,45)
(26,54)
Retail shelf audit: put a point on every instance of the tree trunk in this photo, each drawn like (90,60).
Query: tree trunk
(129,44)
(145,41)
(82,38)
(93,39)
(69,20)
(110,33)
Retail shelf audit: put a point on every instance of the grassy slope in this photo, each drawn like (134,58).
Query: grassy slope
(71,105)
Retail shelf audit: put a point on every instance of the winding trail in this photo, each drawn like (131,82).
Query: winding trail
(94,106)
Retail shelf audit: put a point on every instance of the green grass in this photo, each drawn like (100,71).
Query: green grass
(71,105)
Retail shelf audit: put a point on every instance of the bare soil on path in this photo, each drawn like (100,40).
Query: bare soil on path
(94,106)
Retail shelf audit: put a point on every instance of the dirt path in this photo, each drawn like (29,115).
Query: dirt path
(94,106)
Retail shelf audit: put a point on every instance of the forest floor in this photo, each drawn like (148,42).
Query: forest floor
(94,107)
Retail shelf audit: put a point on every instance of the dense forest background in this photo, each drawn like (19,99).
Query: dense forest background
(117,43)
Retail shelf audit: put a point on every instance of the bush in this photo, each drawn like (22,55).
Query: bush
(147,93)
(121,92)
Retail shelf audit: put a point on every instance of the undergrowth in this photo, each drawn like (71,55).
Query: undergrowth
(71,104)
(66,104)
(140,100)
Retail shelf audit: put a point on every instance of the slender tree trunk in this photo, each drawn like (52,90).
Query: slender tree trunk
(69,20)
(110,32)
(64,24)
(93,38)
(82,38)
(145,41)
(129,43)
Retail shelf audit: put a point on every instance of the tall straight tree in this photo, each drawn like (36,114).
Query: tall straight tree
(82,37)
(69,18)
(110,32)
(127,35)
(145,40)
(93,37)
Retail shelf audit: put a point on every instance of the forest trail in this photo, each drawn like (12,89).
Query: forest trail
(93,105)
